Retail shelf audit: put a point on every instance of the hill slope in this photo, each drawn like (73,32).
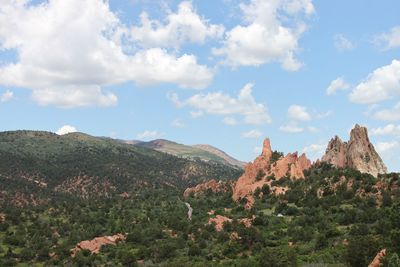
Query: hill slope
(203,152)
(88,166)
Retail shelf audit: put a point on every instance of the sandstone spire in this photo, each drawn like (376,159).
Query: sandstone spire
(358,153)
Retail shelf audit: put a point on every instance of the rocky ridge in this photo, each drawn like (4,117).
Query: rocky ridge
(267,168)
(358,153)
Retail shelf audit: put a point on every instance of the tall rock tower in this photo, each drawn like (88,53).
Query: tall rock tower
(358,153)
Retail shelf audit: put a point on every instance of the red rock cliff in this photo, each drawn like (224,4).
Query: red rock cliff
(256,172)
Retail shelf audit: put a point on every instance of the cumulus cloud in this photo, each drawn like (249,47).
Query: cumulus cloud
(392,114)
(389,40)
(299,113)
(66,129)
(148,135)
(229,121)
(342,43)
(74,48)
(389,129)
(196,114)
(291,128)
(270,33)
(252,134)
(6,96)
(337,84)
(181,27)
(315,151)
(386,148)
(219,103)
(382,84)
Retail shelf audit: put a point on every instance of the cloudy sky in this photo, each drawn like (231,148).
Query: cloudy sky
(227,74)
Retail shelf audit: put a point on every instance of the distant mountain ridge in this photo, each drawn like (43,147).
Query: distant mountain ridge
(203,152)
(86,166)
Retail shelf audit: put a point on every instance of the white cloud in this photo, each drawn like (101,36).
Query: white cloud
(229,121)
(63,51)
(299,113)
(337,84)
(389,40)
(388,114)
(270,33)
(178,123)
(148,135)
(342,43)
(389,129)
(315,151)
(6,96)
(382,84)
(66,129)
(291,128)
(386,148)
(196,114)
(222,104)
(252,134)
(69,97)
(181,27)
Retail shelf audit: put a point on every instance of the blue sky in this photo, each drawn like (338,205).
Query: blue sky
(227,74)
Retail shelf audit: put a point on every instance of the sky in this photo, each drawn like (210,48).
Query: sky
(228,73)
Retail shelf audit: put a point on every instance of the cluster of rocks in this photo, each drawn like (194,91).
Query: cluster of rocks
(255,173)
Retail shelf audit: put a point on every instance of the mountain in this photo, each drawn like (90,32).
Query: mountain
(222,155)
(203,152)
(358,153)
(86,166)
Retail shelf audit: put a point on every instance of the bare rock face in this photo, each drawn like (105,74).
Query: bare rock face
(358,153)
(256,173)
(376,262)
(213,185)
(95,244)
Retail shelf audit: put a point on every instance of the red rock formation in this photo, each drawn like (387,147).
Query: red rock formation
(213,185)
(262,167)
(95,244)
(358,153)
(376,262)
(219,222)
(247,222)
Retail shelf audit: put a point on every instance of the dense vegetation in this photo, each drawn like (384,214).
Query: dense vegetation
(68,162)
(334,217)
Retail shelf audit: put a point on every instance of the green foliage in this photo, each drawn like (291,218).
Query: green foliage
(311,231)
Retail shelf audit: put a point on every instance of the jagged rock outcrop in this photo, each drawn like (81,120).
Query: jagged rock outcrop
(95,244)
(376,262)
(212,185)
(358,153)
(264,166)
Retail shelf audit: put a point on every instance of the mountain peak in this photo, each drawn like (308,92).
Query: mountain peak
(358,153)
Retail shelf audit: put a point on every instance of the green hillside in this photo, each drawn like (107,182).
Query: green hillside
(62,162)
(201,152)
